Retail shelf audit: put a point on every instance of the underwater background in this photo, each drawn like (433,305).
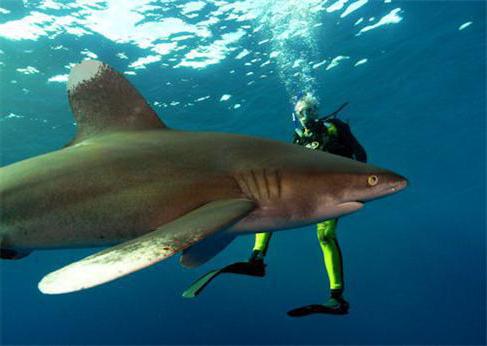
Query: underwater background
(414,74)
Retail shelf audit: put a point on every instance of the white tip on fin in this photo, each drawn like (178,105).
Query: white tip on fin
(103,101)
(85,72)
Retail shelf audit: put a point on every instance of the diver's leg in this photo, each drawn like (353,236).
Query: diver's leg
(261,245)
(332,255)
(333,263)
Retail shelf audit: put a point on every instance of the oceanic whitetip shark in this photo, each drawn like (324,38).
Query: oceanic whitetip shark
(127,180)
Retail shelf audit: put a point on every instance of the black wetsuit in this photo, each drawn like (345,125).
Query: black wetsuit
(321,136)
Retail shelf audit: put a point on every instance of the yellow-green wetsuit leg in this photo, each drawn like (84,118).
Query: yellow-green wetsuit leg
(332,254)
(262,242)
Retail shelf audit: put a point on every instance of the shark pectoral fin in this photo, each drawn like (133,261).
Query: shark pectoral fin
(103,101)
(205,250)
(146,250)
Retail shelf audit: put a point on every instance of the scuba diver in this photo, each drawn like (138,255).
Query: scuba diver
(331,135)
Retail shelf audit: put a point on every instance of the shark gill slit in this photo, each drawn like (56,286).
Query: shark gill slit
(277,183)
(266,183)
(260,185)
(239,178)
(255,184)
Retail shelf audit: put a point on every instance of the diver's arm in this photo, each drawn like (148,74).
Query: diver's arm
(358,150)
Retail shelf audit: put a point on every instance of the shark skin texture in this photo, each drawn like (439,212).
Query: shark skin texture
(126,179)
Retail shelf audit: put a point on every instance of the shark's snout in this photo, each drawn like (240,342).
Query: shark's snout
(400,183)
(377,185)
(392,184)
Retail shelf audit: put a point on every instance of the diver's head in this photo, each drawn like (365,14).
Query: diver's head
(306,109)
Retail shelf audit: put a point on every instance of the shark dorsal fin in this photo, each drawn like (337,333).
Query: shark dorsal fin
(103,101)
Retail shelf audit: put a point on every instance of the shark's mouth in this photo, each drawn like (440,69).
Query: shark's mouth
(350,206)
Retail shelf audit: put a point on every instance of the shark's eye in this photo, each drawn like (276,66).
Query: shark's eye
(373,180)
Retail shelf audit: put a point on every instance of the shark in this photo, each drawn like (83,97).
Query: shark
(144,191)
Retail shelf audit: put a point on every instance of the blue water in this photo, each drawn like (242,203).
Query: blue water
(414,262)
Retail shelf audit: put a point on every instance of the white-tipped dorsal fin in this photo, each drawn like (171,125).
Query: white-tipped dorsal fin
(103,101)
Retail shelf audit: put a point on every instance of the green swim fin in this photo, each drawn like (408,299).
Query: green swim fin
(197,286)
(252,268)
